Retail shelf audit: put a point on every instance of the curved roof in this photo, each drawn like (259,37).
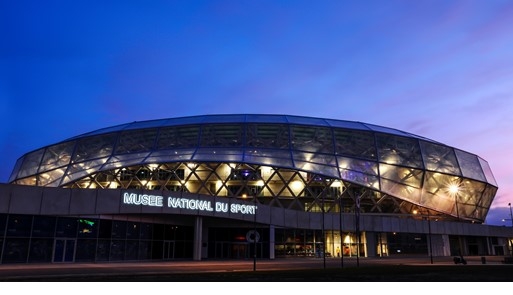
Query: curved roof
(395,162)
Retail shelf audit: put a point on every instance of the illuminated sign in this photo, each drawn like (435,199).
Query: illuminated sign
(188,204)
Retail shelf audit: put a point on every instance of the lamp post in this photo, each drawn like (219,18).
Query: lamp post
(511,219)
(323,233)
(357,228)
(429,235)
(254,234)
(341,233)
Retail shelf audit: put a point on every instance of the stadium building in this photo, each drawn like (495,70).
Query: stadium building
(246,186)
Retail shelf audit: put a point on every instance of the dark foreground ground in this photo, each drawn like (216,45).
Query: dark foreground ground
(299,270)
(404,273)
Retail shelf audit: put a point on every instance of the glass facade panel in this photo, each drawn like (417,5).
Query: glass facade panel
(94,147)
(268,157)
(87,228)
(267,136)
(135,141)
(118,229)
(57,155)
(66,227)
(366,167)
(399,150)
(363,179)
(86,250)
(408,176)
(51,178)
(178,137)
(125,160)
(218,155)
(76,171)
(3,222)
(359,144)
(317,168)
(146,231)
(132,230)
(144,250)
(31,163)
(131,250)
(117,250)
(408,193)
(470,166)
(170,156)
(41,250)
(438,185)
(222,135)
(103,250)
(439,158)
(15,250)
(488,172)
(19,226)
(44,226)
(311,139)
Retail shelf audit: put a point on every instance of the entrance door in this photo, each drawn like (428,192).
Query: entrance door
(169,250)
(64,250)
(239,251)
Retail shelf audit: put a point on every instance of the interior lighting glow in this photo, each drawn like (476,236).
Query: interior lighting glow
(297,186)
(336,183)
(454,188)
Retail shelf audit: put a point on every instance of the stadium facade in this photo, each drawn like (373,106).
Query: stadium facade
(246,186)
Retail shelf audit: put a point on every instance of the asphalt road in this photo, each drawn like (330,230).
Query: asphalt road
(281,270)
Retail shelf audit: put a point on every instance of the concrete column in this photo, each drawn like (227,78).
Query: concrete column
(370,244)
(198,230)
(271,242)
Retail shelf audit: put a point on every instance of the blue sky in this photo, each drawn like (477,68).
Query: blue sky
(439,69)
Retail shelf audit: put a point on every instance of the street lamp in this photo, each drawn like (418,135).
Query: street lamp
(254,233)
(510,218)
(357,228)
(341,233)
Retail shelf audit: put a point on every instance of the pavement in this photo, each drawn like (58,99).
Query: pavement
(185,270)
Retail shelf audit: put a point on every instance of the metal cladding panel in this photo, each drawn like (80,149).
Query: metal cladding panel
(273,119)
(307,121)
(25,200)
(303,219)
(101,131)
(263,214)
(83,201)
(5,197)
(232,118)
(108,202)
(347,124)
(55,202)
(144,124)
(290,218)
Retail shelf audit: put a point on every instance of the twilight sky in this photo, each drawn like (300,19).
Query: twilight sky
(440,69)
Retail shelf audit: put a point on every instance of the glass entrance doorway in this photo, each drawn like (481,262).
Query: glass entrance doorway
(64,250)
(169,250)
